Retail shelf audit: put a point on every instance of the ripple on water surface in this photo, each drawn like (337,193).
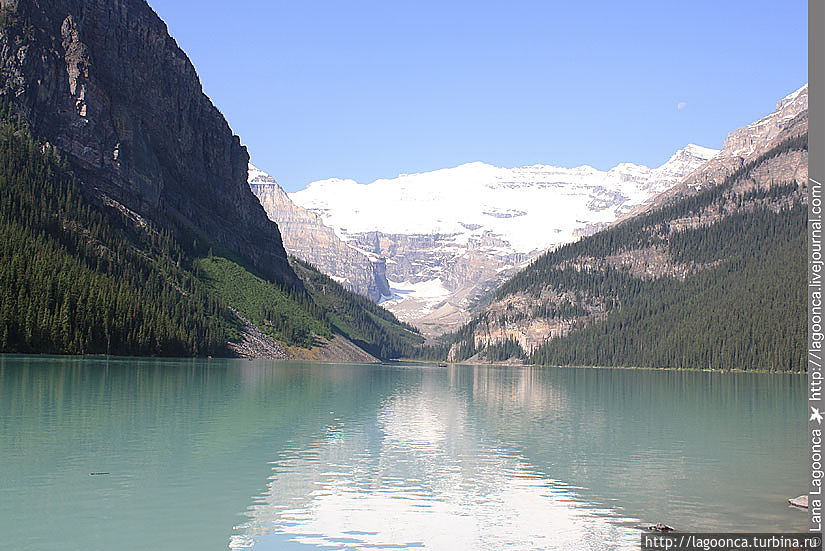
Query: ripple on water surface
(419,479)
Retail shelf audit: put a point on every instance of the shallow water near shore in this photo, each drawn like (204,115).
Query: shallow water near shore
(232,454)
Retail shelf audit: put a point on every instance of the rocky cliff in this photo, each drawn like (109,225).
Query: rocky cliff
(790,118)
(104,82)
(306,237)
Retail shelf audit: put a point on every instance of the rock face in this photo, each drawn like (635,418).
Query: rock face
(436,282)
(745,144)
(749,140)
(306,237)
(104,82)
(451,236)
(255,343)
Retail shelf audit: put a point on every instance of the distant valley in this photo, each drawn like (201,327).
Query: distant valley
(437,244)
(433,247)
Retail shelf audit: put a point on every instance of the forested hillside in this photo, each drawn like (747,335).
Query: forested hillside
(713,280)
(80,276)
(368,325)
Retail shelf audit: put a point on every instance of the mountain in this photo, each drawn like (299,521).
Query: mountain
(306,237)
(451,236)
(128,224)
(106,85)
(710,275)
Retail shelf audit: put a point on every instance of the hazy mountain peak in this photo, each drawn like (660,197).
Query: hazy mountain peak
(699,151)
(457,229)
(514,204)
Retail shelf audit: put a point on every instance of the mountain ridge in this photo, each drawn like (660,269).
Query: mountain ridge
(604,300)
(351,214)
(790,118)
(131,228)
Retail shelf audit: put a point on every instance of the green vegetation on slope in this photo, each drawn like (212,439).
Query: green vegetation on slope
(77,278)
(368,325)
(748,312)
(285,314)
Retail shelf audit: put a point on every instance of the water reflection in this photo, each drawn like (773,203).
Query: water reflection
(421,474)
(359,456)
(700,451)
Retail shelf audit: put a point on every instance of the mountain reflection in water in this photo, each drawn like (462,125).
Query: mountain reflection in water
(422,475)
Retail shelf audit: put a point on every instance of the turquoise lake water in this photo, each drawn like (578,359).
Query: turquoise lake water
(233,454)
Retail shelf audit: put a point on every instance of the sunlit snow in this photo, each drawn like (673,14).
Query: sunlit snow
(531,207)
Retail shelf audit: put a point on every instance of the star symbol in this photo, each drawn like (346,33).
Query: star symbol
(816,416)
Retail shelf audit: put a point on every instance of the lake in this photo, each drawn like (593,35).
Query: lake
(234,454)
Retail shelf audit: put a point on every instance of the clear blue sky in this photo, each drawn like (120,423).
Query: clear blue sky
(367,90)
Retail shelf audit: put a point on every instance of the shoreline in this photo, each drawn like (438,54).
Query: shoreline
(393,361)
(686,369)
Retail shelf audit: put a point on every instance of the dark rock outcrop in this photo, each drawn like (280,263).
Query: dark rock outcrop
(104,82)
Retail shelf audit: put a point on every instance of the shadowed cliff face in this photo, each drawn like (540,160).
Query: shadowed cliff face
(104,82)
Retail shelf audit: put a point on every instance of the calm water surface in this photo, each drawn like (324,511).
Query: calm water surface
(230,454)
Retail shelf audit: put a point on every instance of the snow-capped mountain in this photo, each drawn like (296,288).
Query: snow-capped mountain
(450,235)
(530,208)
(772,150)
